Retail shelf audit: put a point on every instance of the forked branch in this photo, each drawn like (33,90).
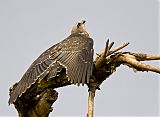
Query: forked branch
(106,63)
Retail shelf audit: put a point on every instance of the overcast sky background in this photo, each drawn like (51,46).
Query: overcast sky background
(27,28)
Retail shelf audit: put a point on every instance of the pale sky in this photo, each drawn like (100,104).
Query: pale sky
(27,28)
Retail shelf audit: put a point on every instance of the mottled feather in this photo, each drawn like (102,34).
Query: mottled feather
(75,53)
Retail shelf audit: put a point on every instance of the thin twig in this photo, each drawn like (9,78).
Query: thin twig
(114,50)
(110,45)
(118,48)
(106,49)
(102,57)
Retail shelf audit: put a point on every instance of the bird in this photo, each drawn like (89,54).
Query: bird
(74,54)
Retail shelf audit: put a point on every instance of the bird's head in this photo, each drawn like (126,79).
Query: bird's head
(80,28)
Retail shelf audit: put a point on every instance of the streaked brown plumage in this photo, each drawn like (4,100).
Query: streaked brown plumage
(75,54)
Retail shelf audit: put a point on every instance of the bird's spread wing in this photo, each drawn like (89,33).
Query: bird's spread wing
(76,55)
(38,69)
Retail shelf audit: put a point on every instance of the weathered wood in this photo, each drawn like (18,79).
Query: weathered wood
(44,104)
(91,104)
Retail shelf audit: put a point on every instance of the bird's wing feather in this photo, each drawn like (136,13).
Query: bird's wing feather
(76,54)
(38,69)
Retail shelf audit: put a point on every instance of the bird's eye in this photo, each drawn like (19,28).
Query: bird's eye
(78,25)
(83,21)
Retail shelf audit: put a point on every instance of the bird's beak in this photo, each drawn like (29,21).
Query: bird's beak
(83,21)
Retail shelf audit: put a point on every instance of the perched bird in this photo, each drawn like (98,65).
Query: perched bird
(75,54)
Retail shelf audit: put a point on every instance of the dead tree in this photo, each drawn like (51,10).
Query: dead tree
(38,100)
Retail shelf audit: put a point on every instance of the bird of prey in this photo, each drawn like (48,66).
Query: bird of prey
(75,54)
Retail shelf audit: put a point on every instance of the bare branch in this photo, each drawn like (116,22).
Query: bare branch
(110,45)
(143,57)
(114,50)
(100,60)
(104,67)
(106,49)
(132,62)
(91,104)
(118,48)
